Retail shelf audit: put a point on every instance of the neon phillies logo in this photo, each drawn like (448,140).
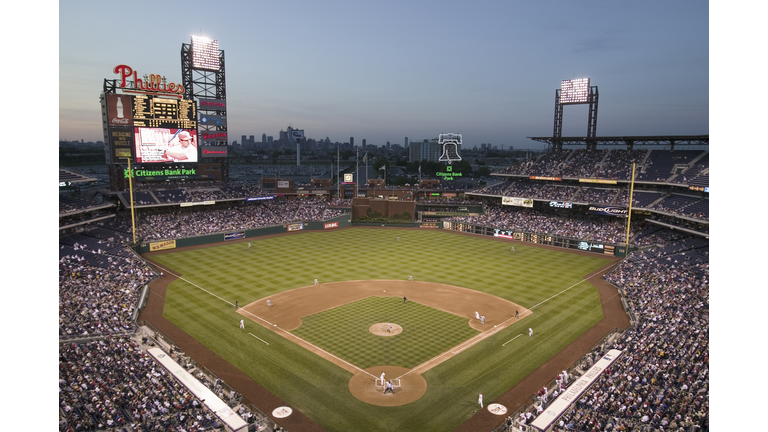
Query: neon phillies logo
(154,84)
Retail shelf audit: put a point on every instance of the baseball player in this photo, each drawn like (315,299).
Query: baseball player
(315,281)
(482,319)
(242,324)
(269,303)
(477,315)
(382,378)
(530,331)
(480,400)
(410,278)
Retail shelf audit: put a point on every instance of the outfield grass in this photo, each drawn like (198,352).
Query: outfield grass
(550,282)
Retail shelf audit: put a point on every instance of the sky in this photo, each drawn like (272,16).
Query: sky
(384,71)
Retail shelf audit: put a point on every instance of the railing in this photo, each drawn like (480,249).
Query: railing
(512,421)
(223,390)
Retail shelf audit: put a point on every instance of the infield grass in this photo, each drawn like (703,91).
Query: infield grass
(550,282)
(345,329)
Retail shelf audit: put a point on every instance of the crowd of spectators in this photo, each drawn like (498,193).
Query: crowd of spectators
(181,222)
(112,382)
(561,224)
(661,381)
(650,165)
(682,205)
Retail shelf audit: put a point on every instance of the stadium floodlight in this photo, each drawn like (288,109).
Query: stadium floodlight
(575,91)
(205,53)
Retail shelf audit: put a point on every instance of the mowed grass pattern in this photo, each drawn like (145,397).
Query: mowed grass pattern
(550,282)
(344,331)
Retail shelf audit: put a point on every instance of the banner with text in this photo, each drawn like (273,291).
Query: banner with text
(514,201)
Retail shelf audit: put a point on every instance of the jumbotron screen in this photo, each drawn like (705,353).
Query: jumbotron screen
(575,91)
(160,145)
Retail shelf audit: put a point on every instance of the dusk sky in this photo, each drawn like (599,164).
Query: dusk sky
(383,71)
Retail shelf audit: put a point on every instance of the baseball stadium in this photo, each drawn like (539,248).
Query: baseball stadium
(567,291)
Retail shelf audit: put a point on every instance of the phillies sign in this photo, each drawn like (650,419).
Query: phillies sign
(152,84)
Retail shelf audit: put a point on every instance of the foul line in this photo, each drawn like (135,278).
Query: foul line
(511,339)
(259,338)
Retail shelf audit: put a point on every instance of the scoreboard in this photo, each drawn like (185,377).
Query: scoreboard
(131,119)
(152,111)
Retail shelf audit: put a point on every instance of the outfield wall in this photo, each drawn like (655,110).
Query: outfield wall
(337,222)
(618,250)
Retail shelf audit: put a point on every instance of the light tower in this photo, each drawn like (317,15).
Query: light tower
(576,92)
(203,76)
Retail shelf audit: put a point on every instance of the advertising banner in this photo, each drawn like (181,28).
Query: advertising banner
(235,236)
(296,227)
(119,110)
(121,142)
(560,204)
(331,225)
(598,181)
(608,210)
(213,151)
(168,244)
(213,136)
(514,201)
(213,120)
(212,104)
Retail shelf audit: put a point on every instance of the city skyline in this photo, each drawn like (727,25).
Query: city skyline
(381,72)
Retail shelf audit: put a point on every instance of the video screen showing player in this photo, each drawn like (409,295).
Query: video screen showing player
(157,145)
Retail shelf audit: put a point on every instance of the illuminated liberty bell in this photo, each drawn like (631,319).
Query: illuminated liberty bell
(450,143)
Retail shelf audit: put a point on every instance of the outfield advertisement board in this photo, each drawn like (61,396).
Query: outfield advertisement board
(168,244)
(235,236)
(296,227)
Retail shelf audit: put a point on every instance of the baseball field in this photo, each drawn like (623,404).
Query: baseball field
(321,349)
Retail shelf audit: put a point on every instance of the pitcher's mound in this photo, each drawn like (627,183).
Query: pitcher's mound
(367,387)
(385,329)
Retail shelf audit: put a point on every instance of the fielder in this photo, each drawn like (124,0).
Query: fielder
(242,324)
(530,331)
(480,400)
